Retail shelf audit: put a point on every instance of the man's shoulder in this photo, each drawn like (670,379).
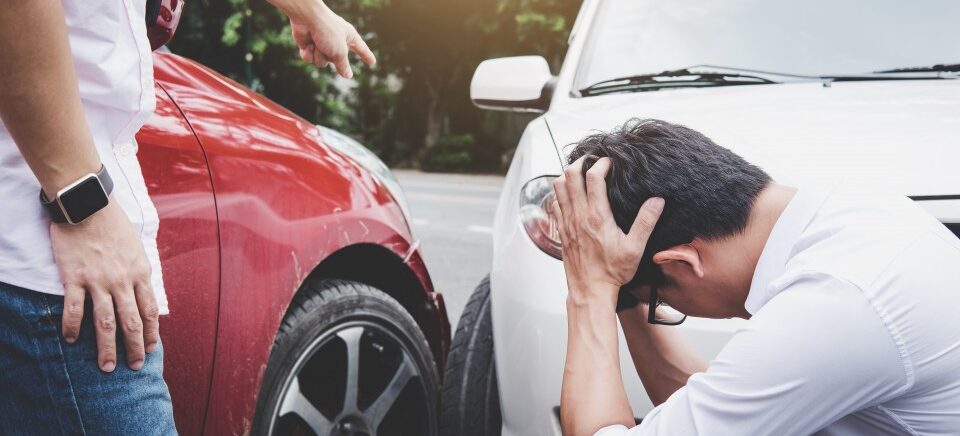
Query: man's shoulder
(858,233)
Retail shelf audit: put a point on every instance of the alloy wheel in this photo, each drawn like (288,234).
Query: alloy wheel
(356,379)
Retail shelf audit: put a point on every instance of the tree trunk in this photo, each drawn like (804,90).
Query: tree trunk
(434,118)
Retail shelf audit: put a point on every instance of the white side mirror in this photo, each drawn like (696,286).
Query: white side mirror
(512,84)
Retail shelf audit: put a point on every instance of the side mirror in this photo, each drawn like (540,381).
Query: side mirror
(520,83)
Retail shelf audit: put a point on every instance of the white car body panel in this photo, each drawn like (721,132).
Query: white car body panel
(883,133)
(902,136)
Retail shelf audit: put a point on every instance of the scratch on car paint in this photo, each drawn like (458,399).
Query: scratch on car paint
(366,231)
(298,273)
(413,249)
(247,426)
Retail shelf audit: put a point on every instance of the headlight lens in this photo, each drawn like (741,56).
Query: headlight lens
(538,218)
(367,159)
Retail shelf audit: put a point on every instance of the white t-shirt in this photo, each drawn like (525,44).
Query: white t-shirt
(114,66)
(855,330)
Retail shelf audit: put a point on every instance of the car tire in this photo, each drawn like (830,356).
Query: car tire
(334,329)
(470,398)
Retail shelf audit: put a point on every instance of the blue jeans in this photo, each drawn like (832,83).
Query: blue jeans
(50,387)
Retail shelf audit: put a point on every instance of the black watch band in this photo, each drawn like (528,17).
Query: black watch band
(80,199)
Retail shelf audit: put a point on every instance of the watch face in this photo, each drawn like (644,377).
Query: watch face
(84,200)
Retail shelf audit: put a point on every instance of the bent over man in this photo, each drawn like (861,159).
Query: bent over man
(850,294)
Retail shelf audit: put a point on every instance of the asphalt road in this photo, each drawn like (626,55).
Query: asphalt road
(452,217)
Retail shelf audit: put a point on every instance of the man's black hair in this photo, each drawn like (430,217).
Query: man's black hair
(709,190)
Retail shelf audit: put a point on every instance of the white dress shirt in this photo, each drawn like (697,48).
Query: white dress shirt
(114,67)
(855,330)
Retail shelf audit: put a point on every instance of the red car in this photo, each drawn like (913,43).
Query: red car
(299,301)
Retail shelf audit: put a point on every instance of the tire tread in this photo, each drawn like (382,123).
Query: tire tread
(470,402)
(317,298)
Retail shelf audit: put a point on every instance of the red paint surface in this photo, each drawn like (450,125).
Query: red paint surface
(284,201)
(179,184)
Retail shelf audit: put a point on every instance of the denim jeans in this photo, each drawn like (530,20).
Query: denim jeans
(50,387)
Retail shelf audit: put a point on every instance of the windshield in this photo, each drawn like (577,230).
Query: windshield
(808,37)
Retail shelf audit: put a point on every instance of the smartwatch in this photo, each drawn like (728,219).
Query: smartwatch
(80,199)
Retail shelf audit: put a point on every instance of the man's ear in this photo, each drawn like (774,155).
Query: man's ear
(681,253)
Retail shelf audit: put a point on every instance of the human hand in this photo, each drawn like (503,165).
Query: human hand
(324,37)
(103,256)
(597,256)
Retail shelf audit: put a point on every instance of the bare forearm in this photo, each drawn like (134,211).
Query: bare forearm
(592,396)
(300,10)
(663,358)
(39,98)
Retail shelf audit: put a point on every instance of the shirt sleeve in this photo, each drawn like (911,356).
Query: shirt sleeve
(813,354)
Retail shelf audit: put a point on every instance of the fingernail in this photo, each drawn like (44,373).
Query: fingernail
(70,339)
(109,366)
(136,365)
(151,347)
(656,203)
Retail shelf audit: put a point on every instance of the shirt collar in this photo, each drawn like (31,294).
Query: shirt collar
(779,246)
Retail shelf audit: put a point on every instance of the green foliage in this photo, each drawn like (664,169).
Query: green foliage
(416,98)
(452,153)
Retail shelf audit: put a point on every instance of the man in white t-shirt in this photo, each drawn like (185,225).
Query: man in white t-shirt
(851,296)
(81,288)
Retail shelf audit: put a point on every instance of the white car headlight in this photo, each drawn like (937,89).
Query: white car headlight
(537,217)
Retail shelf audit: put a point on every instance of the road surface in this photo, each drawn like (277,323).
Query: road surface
(452,217)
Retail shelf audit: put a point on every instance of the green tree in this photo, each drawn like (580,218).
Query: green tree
(416,95)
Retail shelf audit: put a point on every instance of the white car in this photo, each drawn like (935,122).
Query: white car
(864,90)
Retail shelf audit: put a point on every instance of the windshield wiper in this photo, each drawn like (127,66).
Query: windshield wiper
(682,78)
(938,68)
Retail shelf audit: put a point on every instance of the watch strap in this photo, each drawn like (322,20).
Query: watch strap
(53,206)
(53,209)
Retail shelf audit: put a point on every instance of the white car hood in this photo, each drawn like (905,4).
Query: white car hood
(897,135)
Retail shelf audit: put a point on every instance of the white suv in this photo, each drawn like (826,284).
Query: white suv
(861,89)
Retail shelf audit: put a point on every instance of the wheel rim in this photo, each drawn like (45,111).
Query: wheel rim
(353,380)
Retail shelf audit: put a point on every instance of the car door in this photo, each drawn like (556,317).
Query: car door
(178,180)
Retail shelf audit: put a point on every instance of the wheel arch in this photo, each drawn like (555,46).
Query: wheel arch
(377,266)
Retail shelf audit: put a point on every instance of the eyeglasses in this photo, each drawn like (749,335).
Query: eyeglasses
(661,313)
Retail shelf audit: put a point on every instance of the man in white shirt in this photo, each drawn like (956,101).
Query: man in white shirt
(76,83)
(851,296)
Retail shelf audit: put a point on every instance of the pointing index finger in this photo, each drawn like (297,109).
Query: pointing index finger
(359,46)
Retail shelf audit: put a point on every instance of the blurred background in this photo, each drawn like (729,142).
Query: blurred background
(413,107)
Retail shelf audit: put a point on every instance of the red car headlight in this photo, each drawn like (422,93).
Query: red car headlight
(537,217)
